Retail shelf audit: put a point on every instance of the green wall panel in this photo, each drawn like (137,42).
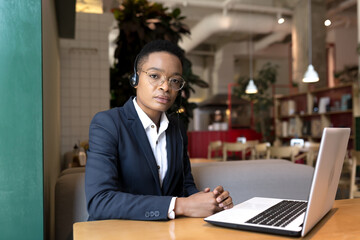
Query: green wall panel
(21,138)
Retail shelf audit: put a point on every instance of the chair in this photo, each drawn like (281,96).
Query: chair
(252,143)
(312,150)
(215,146)
(250,148)
(70,202)
(234,147)
(260,150)
(288,152)
(354,188)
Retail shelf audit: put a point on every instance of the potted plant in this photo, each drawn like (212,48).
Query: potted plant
(140,22)
(261,101)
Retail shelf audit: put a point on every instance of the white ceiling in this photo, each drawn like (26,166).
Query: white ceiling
(196,10)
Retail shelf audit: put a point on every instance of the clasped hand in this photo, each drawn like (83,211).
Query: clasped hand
(205,203)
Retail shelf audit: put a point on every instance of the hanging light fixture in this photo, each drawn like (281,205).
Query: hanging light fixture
(310,75)
(251,87)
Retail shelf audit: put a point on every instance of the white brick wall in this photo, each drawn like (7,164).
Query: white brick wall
(85,80)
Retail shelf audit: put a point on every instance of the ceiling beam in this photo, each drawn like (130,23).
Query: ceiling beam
(65,15)
(229,5)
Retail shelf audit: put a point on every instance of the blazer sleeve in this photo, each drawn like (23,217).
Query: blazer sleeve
(103,196)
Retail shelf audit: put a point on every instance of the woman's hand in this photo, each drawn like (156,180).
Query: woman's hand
(203,204)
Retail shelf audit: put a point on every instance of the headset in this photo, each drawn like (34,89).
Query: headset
(134,79)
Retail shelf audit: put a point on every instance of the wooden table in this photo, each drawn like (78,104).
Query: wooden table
(201,160)
(342,222)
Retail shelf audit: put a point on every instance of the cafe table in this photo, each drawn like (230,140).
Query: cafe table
(342,222)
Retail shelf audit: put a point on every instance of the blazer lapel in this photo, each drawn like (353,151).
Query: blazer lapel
(173,156)
(142,140)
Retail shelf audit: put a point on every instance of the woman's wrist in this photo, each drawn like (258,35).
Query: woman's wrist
(179,206)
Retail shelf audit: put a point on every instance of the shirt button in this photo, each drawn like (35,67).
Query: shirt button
(157,142)
(158,167)
(152,126)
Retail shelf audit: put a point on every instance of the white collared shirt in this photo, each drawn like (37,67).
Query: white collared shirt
(157,139)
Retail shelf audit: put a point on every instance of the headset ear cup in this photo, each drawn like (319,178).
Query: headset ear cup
(134,80)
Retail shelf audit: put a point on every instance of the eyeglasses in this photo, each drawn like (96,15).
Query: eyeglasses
(157,78)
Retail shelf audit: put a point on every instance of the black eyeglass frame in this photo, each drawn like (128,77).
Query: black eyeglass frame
(160,82)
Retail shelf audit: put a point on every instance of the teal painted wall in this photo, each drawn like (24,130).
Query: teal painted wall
(21,134)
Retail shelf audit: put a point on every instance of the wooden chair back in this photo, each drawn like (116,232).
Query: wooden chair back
(288,152)
(252,143)
(312,152)
(354,188)
(233,147)
(261,150)
(215,146)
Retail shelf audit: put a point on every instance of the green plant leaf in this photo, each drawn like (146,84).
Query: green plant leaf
(261,101)
(176,13)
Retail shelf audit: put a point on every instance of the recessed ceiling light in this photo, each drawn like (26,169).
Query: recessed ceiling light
(327,22)
(281,20)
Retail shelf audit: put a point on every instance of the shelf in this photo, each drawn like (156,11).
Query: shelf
(316,114)
(314,91)
(307,137)
(333,88)
(301,120)
(304,137)
(338,112)
(291,95)
(290,116)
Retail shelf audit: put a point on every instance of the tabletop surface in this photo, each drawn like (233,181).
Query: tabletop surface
(342,222)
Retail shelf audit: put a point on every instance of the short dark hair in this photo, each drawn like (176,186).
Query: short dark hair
(159,46)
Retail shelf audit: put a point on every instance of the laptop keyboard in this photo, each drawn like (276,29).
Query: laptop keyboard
(280,214)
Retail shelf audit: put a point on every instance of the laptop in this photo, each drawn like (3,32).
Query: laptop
(294,217)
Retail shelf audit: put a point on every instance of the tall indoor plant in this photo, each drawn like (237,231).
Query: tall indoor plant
(140,22)
(262,100)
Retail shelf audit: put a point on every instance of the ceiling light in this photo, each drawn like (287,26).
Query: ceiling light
(310,75)
(251,87)
(94,6)
(280,19)
(327,22)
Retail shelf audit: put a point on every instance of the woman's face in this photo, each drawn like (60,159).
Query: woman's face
(154,99)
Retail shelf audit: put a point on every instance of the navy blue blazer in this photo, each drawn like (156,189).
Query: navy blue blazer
(121,179)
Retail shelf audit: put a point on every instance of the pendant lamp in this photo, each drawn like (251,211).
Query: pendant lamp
(310,75)
(251,87)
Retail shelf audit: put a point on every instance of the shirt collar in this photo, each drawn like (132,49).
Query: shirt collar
(146,121)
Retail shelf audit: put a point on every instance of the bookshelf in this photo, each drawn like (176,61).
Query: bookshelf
(305,115)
